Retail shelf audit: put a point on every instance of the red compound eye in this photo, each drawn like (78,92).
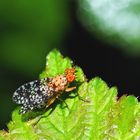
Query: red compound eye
(70,77)
(70,74)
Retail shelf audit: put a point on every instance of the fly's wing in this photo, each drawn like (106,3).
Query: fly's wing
(21,95)
(31,95)
(39,93)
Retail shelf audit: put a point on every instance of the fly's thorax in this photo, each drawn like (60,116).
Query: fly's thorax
(58,83)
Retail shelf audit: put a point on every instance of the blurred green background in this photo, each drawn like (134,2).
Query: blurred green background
(28,31)
(94,34)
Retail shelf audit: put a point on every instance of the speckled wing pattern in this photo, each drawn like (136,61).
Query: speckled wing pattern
(32,95)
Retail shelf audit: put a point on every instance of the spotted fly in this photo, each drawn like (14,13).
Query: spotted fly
(42,93)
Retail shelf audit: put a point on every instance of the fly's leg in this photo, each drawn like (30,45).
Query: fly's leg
(33,122)
(64,103)
(81,98)
(70,89)
(37,119)
(50,101)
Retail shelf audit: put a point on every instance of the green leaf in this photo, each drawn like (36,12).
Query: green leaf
(56,64)
(96,113)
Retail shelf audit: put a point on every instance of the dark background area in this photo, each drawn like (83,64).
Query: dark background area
(103,60)
(92,54)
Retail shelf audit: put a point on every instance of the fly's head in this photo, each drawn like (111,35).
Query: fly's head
(70,74)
